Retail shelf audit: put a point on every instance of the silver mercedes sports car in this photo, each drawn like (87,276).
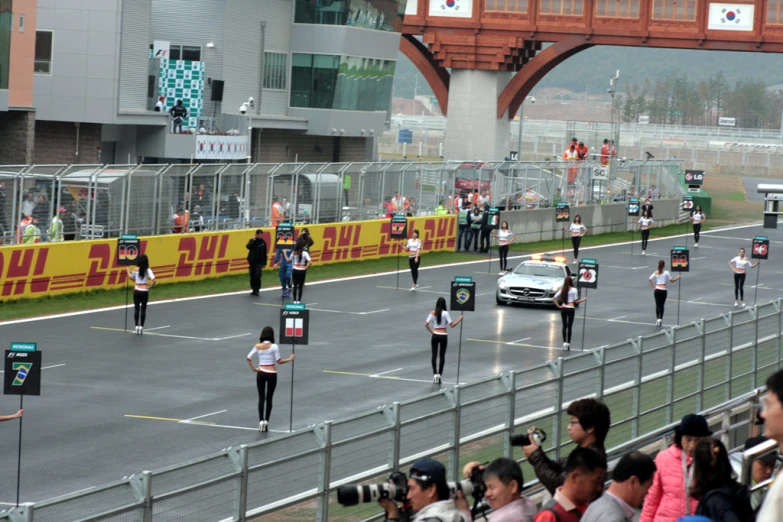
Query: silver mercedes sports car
(535,281)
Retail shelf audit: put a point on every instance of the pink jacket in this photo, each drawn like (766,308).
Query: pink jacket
(665,502)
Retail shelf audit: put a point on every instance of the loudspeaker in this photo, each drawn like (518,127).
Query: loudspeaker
(217,90)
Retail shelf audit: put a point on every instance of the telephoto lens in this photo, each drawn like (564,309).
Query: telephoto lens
(352,495)
(523,439)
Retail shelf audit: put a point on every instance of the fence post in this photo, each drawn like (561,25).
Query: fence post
(637,389)
(780,331)
(671,336)
(600,358)
(238,459)
(454,395)
(393,414)
(323,434)
(557,368)
(729,369)
(700,368)
(755,355)
(510,380)
(142,488)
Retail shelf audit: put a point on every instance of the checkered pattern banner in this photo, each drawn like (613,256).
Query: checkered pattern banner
(183,80)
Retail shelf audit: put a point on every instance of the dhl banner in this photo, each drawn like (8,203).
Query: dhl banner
(79,266)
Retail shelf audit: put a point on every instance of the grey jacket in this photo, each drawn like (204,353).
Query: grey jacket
(605,509)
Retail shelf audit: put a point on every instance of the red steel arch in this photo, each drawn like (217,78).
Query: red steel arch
(437,76)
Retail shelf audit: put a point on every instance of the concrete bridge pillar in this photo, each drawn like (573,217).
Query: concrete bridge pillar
(473,129)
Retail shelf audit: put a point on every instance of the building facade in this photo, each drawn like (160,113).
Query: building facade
(80,79)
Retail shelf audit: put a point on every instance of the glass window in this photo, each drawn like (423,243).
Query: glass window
(341,83)
(505,6)
(43,52)
(774,12)
(674,10)
(561,7)
(192,54)
(275,70)
(175,52)
(617,8)
(378,14)
(6,22)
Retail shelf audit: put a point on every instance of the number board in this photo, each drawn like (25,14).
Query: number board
(463,295)
(493,219)
(294,325)
(22,370)
(694,177)
(284,235)
(128,250)
(760,248)
(399,227)
(562,212)
(687,203)
(633,207)
(681,260)
(588,273)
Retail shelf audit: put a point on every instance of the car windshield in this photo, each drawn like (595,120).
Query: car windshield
(540,270)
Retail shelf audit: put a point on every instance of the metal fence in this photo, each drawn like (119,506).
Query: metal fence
(648,383)
(99,201)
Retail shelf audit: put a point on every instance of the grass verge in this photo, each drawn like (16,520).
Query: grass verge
(24,308)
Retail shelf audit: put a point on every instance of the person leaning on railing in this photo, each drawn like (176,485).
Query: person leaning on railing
(588,426)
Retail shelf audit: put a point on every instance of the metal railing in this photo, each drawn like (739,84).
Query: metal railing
(648,383)
(97,201)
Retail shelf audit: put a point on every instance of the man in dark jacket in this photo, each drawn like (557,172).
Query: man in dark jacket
(179,113)
(485,230)
(256,258)
(588,426)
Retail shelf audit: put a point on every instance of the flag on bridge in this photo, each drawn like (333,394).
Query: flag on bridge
(731,17)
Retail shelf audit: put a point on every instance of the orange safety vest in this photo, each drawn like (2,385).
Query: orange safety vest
(277,214)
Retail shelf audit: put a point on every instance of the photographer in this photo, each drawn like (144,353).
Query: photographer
(584,482)
(504,483)
(588,425)
(428,495)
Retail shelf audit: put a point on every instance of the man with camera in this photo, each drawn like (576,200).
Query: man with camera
(588,425)
(503,484)
(428,495)
(585,473)
(631,480)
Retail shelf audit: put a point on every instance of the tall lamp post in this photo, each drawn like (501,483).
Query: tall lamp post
(247,108)
(615,129)
(521,120)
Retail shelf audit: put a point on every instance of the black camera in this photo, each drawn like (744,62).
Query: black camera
(396,489)
(536,437)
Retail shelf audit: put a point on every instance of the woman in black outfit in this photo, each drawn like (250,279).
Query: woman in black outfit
(301,261)
(439,319)
(721,498)
(268,354)
(143,280)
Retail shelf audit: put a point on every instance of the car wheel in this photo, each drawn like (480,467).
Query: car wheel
(498,301)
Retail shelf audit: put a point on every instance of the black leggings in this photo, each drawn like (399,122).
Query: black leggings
(660,302)
(696,231)
(298,277)
(645,237)
(503,252)
(140,306)
(567,314)
(441,341)
(739,286)
(414,264)
(266,384)
(575,240)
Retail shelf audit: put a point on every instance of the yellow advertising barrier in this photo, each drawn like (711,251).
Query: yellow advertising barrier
(79,266)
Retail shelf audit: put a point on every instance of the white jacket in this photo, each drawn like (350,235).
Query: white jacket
(772,507)
(442,511)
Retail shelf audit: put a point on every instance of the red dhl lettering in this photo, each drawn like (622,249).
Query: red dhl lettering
(211,252)
(19,265)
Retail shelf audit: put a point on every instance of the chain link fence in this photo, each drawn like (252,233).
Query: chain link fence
(650,382)
(71,202)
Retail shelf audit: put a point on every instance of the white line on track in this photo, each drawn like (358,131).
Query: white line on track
(629,267)
(389,371)
(702,257)
(520,340)
(616,318)
(46,368)
(202,416)
(359,277)
(158,328)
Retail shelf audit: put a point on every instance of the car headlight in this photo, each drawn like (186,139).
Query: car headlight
(556,287)
(503,284)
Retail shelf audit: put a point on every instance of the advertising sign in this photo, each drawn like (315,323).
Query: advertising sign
(588,273)
(562,212)
(633,207)
(294,324)
(687,203)
(399,227)
(760,248)
(694,177)
(22,370)
(284,236)
(463,294)
(680,260)
(493,218)
(128,250)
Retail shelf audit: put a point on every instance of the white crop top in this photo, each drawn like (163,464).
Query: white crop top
(661,279)
(268,357)
(445,320)
(698,218)
(414,245)
(142,281)
(741,264)
(576,229)
(572,296)
(300,261)
(645,222)
(504,236)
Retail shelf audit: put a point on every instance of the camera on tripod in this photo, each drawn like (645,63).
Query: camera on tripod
(537,437)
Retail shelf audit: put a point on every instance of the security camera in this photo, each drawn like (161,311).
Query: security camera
(250,101)
(243,108)
(532,99)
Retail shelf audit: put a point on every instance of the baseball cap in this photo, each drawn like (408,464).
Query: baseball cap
(429,470)
(769,458)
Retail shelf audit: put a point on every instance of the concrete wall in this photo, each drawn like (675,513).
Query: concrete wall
(540,225)
(286,147)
